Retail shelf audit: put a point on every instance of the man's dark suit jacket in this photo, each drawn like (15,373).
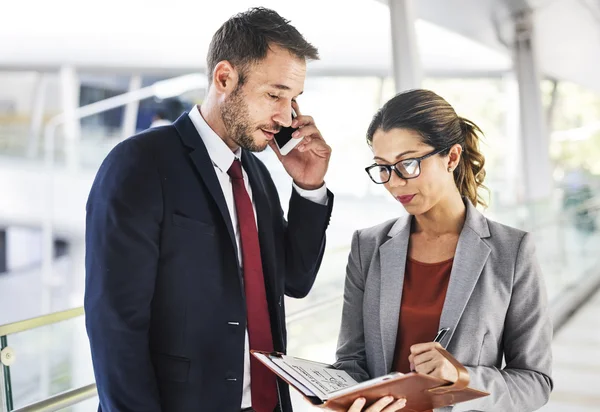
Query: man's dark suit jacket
(164,300)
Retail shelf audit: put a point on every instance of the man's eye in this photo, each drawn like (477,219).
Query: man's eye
(272,96)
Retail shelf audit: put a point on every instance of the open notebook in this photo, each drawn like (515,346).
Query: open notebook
(323,385)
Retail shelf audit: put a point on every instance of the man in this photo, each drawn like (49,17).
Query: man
(188,253)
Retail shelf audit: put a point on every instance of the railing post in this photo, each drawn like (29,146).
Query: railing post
(6,377)
(3,249)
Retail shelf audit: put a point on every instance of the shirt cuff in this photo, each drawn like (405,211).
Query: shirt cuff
(317,196)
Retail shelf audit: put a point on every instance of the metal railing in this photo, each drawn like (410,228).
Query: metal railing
(8,358)
(62,400)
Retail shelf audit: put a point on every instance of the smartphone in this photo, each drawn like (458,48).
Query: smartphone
(284,141)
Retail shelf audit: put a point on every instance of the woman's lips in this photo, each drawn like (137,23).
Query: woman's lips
(405,199)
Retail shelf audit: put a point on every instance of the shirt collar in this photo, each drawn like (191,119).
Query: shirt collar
(220,154)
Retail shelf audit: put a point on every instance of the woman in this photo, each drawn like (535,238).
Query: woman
(443,266)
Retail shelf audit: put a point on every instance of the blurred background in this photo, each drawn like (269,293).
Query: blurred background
(77,77)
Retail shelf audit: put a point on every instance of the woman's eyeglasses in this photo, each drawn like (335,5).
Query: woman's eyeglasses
(405,169)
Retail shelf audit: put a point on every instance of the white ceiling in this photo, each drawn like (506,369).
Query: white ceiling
(567,31)
(456,37)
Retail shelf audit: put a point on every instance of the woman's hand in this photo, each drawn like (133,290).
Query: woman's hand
(385,404)
(425,358)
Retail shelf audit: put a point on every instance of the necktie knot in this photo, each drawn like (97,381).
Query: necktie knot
(235,170)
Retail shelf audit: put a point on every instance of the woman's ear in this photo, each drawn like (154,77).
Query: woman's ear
(454,157)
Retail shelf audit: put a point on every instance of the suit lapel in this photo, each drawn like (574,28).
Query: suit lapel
(392,255)
(204,166)
(471,254)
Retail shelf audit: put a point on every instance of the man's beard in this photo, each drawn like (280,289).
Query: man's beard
(236,119)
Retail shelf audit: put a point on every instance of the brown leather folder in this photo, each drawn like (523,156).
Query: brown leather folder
(422,392)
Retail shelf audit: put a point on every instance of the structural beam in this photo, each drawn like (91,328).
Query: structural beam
(534,141)
(37,115)
(69,84)
(131,109)
(405,53)
(3,254)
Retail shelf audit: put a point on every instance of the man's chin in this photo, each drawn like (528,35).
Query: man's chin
(253,143)
(255,147)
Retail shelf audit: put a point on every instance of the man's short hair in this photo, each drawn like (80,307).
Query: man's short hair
(245,38)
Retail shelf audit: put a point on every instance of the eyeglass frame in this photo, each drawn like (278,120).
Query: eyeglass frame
(398,173)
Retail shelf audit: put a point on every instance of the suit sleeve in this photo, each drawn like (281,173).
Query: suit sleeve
(124,213)
(351,355)
(524,384)
(304,242)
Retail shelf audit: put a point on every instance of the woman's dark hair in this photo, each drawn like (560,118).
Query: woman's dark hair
(440,127)
(245,39)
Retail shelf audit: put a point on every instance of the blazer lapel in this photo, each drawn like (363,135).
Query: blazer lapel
(204,165)
(392,255)
(471,254)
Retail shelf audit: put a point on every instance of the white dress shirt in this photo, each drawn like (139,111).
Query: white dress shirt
(222,158)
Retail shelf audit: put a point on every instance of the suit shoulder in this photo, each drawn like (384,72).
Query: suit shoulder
(505,232)
(156,138)
(376,233)
(505,240)
(146,144)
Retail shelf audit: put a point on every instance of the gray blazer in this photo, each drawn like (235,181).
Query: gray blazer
(495,307)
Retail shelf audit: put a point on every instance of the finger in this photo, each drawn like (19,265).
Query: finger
(396,406)
(302,121)
(380,404)
(296,107)
(426,368)
(423,347)
(316,145)
(307,131)
(303,143)
(357,405)
(424,357)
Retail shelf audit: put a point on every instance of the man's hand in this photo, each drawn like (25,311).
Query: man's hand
(308,162)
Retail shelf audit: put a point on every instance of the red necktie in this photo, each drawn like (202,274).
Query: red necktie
(263,381)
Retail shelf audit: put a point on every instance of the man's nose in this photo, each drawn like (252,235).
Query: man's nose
(284,116)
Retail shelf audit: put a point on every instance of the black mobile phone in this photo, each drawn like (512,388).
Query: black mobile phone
(284,139)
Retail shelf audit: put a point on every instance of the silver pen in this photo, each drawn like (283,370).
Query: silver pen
(441,334)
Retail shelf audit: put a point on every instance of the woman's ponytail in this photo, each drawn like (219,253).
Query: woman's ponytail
(470,173)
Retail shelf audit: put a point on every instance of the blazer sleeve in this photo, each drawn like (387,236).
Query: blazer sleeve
(124,214)
(304,242)
(525,383)
(351,354)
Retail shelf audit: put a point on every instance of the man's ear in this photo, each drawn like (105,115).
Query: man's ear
(225,77)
